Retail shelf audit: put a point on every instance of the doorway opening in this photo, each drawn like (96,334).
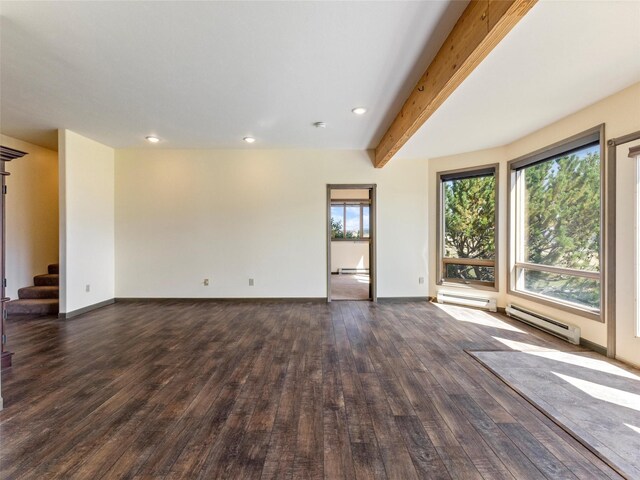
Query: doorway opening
(351,241)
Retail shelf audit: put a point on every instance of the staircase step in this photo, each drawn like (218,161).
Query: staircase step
(48,280)
(38,292)
(39,306)
(54,268)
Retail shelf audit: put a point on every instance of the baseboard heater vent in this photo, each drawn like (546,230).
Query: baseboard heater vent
(567,332)
(353,270)
(468,301)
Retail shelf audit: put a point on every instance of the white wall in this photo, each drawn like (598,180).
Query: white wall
(87,243)
(621,115)
(32,214)
(230,215)
(345,254)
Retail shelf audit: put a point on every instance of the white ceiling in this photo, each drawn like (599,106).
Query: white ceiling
(206,74)
(562,57)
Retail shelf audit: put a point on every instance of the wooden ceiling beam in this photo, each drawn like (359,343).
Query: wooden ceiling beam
(482,25)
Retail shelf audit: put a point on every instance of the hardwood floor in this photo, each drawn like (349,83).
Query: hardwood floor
(350,287)
(273,391)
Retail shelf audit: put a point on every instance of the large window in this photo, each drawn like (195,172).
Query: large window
(350,220)
(467,238)
(557,211)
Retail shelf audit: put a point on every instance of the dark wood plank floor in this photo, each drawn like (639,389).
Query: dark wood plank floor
(274,391)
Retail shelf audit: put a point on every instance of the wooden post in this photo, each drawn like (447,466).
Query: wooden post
(6,155)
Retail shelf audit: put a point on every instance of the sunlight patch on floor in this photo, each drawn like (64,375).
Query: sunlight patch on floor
(523,347)
(478,317)
(586,362)
(601,392)
(569,358)
(362,278)
(635,429)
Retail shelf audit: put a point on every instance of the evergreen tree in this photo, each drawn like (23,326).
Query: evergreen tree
(562,224)
(562,214)
(470,225)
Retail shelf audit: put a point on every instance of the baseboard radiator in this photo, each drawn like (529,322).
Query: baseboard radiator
(567,332)
(344,270)
(468,301)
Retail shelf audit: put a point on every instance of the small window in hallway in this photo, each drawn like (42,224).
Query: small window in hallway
(349,220)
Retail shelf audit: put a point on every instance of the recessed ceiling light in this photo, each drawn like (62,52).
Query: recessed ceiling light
(320,125)
(359,110)
(152,139)
(249,139)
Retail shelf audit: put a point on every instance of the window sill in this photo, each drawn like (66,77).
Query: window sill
(362,240)
(565,307)
(468,286)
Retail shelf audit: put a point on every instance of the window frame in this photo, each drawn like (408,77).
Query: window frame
(515,250)
(461,173)
(634,155)
(353,202)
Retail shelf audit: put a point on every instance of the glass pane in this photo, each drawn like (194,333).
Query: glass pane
(581,291)
(469,273)
(353,221)
(337,221)
(365,221)
(562,211)
(469,217)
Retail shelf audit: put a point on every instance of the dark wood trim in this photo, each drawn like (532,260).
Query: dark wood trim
(328,225)
(403,299)
(89,308)
(593,346)
(7,154)
(5,359)
(222,300)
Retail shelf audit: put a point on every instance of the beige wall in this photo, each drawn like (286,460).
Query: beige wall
(230,215)
(32,214)
(349,194)
(346,254)
(621,115)
(87,254)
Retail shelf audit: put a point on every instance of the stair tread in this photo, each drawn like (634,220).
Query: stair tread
(34,301)
(45,291)
(41,287)
(33,306)
(54,268)
(47,279)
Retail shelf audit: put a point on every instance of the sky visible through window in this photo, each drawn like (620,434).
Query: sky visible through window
(345,221)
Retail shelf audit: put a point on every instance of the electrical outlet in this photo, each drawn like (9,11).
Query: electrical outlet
(421,280)
(206,282)
(87,288)
(251,282)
